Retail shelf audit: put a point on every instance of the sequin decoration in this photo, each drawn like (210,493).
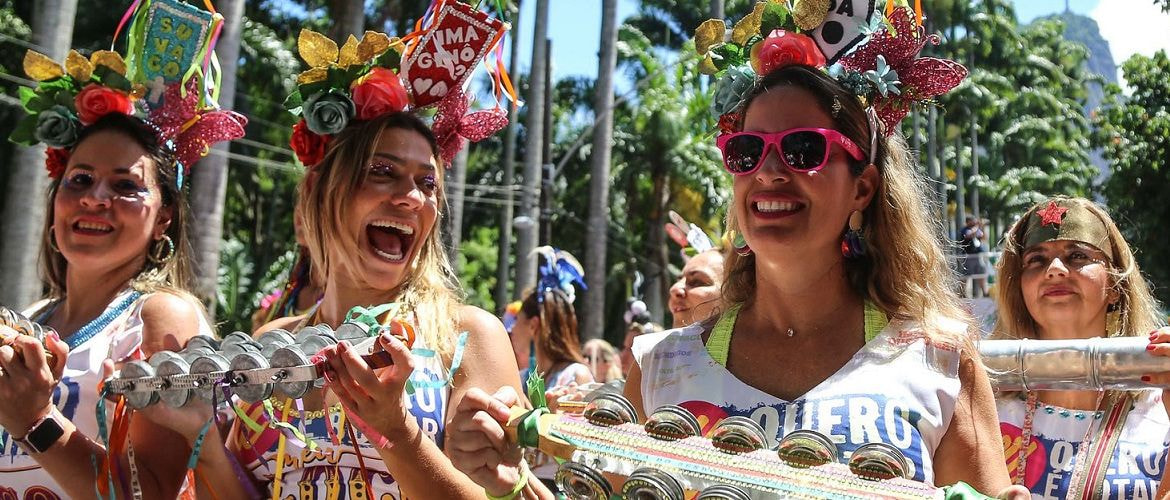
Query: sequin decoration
(922,78)
(193,130)
(453,127)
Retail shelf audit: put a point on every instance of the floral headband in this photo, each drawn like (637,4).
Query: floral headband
(164,81)
(872,54)
(379,75)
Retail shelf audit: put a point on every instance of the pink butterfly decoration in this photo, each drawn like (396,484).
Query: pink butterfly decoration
(453,126)
(193,130)
(921,78)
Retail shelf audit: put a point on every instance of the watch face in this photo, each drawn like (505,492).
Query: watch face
(42,437)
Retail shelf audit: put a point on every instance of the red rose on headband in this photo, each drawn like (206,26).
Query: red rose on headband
(378,93)
(309,147)
(55,161)
(784,48)
(96,101)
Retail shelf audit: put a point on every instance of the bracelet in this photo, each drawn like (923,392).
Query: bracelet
(520,484)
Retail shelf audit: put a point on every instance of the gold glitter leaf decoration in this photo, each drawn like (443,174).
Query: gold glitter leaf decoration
(78,66)
(373,44)
(109,59)
(707,67)
(316,49)
(809,14)
(397,45)
(749,25)
(709,34)
(313,75)
(349,53)
(40,68)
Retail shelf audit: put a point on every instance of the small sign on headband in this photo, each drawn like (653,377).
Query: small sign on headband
(842,29)
(176,35)
(448,53)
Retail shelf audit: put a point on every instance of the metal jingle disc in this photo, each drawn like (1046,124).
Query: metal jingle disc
(239,347)
(803,448)
(267,350)
(581,482)
(671,423)
(353,332)
(288,357)
(723,492)
(311,345)
(647,483)
(208,363)
(310,331)
(878,462)
(275,336)
(234,338)
(610,409)
(168,366)
(325,329)
(738,434)
(137,369)
(201,341)
(252,393)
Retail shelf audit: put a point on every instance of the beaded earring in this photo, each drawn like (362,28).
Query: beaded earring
(853,244)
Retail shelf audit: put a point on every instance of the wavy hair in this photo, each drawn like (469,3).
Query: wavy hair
(1136,307)
(558,324)
(904,271)
(430,289)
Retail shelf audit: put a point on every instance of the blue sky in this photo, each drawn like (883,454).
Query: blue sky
(1130,26)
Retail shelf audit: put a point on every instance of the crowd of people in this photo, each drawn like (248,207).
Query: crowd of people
(831,296)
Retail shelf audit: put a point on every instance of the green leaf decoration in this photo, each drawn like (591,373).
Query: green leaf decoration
(63,98)
(389,59)
(293,102)
(775,17)
(26,94)
(729,54)
(24,133)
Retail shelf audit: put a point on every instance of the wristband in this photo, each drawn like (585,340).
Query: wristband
(520,484)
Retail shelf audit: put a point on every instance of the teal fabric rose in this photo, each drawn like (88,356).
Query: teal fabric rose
(327,113)
(58,127)
(731,88)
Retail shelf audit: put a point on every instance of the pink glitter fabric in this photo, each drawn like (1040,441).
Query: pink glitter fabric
(193,130)
(922,78)
(453,127)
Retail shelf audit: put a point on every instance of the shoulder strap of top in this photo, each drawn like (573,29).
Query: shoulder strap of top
(720,339)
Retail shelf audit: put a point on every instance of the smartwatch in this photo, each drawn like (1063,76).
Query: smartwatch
(43,434)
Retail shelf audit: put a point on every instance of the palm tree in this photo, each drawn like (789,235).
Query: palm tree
(349,18)
(24,204)
(534,129)
(597,229)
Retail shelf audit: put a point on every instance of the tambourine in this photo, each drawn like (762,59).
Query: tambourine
(24,326)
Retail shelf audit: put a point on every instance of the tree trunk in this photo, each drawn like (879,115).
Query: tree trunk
(717,9)
(349,18)
(24,203)
(209,176)
(504,253)
(655,269)
(596,231)
(455,189)
(533,150)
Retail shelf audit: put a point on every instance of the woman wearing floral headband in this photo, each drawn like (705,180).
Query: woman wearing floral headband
(115,258)
(1067,273)
(838,315)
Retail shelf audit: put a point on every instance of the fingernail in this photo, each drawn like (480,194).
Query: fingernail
(49,332)
(1145,378)
(1150,347)
(1152,337)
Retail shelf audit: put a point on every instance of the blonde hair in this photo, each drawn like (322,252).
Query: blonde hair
(608,353)
(430,290)
(1136,307)
(904,271)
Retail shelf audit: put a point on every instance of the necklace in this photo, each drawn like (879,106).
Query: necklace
(98,324)
(306,415)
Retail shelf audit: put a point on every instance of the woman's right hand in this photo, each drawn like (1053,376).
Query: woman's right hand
(476,442)
(26,375)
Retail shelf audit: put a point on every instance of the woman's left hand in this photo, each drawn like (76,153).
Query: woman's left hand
(1160,346)
(27,376)
(373,397)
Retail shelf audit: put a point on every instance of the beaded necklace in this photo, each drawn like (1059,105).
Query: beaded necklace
(98,324)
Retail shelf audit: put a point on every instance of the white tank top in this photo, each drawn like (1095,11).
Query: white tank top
(900,389)
(333,471)
(1057,434)
(76,395)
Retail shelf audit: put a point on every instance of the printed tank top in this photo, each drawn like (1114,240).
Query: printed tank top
(332,470)
(899,389)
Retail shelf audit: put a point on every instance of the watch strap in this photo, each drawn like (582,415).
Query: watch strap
(43,434)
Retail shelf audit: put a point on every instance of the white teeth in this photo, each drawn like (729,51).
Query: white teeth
(93,226)
(387,256)
(776,206)
(403,228)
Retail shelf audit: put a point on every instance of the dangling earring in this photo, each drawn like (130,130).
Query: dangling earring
(853,244)
(1113,326)
(741,245)
(157,255)
(53,239)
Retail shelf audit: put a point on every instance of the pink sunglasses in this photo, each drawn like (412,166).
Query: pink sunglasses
(802,149)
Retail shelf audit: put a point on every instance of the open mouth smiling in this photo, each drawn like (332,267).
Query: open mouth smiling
(390,240)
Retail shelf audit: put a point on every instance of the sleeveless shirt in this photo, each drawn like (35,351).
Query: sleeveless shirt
(899,389)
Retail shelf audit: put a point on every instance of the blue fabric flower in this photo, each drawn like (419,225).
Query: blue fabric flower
(884,78)
(58,127)
(731,89)
(327,113)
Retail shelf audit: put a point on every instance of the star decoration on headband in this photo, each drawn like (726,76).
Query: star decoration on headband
(895,50)
(1051,214)
(453,126)
(192,129)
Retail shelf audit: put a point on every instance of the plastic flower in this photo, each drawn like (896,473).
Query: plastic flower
(96,101)
(784,48)
(328,112)
(731,89)
(884,78)
(55,161)
(309,147)
(57,127)
(379,92)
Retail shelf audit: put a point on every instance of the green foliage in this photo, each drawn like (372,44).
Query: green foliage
(477,266)
(1135,133)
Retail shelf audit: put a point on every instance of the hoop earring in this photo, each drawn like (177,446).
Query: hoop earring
(741,245)
(164,244)
(53,240)
(1113,323)
(853,244)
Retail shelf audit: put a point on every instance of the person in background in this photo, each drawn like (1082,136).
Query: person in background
(971,266)
(695,297)
(603,360)
(635,329)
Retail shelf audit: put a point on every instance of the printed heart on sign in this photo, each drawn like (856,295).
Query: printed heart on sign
(438,89)
(421,85)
